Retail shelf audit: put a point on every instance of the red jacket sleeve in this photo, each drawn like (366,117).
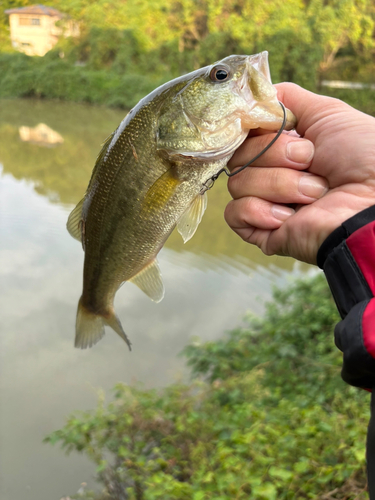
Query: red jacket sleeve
(348,259)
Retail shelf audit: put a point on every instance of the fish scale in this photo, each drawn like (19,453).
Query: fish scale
(150,177)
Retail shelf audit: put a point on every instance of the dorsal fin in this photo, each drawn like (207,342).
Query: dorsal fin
(105,146)
(149,280)
(74,225)
(190,219)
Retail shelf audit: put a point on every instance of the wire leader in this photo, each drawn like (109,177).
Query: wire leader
(210,182)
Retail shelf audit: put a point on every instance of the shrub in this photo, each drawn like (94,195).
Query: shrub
(269,420)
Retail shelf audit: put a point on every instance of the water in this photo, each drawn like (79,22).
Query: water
(210,283)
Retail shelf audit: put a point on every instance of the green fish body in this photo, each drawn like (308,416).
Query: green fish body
(150,177)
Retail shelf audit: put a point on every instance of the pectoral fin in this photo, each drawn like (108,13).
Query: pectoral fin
(149,280)
(190,219)
(74,225)
(160,192)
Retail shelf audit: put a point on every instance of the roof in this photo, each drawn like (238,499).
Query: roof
(37,10)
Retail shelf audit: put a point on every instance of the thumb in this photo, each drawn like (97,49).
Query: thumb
(307,106)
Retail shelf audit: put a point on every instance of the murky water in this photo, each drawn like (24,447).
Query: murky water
(210,283)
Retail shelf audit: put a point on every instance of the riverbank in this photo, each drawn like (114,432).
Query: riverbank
(55,78)
(52,77)
(268,416)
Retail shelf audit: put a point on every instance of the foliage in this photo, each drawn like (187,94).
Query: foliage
(55,78)
(294,338)
(270,419)
(125,49)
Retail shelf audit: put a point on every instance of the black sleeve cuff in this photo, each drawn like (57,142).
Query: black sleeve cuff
(358,365)
(344,231)
(346,281)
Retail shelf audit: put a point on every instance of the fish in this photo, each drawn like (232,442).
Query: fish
(151,176)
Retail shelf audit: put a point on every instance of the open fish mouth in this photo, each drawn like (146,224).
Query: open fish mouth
(261,95)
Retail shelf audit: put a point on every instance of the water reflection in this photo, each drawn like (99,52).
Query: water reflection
(210,283)
(42,134)
(62,173)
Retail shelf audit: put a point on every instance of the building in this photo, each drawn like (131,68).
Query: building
(35,29)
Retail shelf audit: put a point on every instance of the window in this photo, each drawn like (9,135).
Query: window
(29,21)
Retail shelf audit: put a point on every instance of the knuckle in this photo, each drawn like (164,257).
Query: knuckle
(276,180)
(249,235)
(236,183)
(284,182)
(262,242)
(228,213)
(255,209)
(250,204)
(232,182)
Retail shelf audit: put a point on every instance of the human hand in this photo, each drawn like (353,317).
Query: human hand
(325,187)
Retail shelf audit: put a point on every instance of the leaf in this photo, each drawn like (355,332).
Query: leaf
(102,466)
(284,474)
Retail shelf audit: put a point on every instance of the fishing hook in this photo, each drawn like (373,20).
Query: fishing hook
(210,182)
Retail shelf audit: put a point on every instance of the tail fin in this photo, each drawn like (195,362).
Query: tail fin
(113,321)
(90,327)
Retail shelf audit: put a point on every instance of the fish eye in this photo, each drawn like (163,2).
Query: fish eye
(219,74)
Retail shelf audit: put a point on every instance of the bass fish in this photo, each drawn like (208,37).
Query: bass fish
(151,175)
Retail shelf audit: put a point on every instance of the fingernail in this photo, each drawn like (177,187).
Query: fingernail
(301,151)
(312,186)
(281,213)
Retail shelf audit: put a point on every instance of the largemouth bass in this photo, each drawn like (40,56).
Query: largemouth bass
(150,177)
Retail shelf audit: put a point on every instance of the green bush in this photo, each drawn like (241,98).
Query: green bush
(126,49)
(363,99)
(268,418)
(293,340)
(124,84)
(21,76)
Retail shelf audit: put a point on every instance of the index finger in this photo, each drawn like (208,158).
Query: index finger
(287,151)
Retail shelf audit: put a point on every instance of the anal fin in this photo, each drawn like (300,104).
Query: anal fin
(149,280)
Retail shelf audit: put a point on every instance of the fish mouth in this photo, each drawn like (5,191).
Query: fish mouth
(261,96)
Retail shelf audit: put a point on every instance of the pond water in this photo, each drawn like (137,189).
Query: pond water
(210,284)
